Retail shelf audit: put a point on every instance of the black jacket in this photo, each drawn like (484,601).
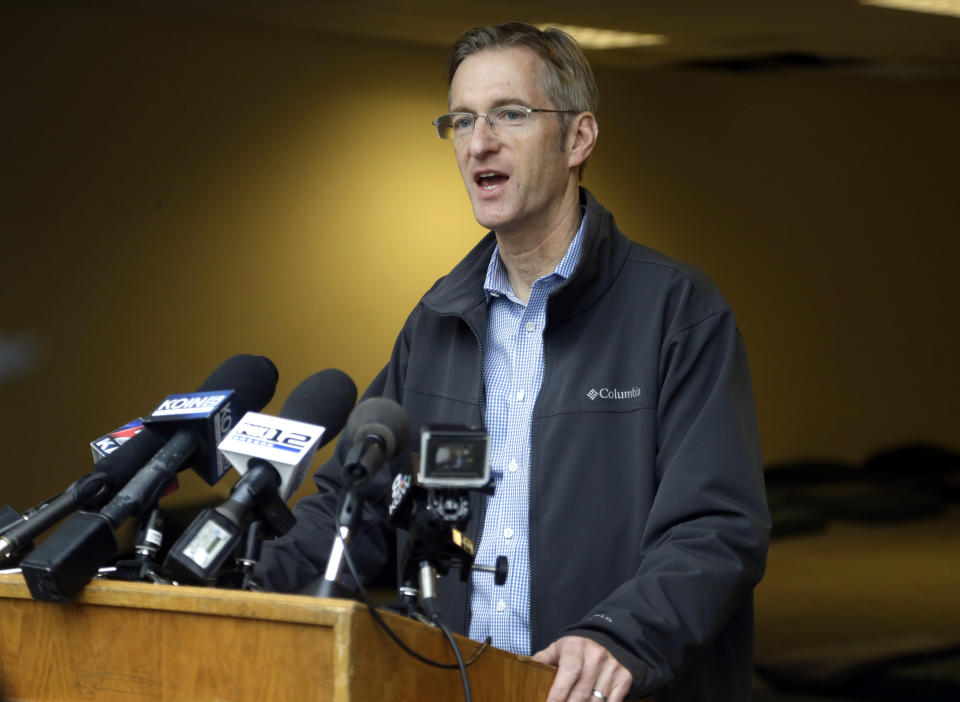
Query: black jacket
(648,521)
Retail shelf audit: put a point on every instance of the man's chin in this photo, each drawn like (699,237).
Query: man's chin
(489,218)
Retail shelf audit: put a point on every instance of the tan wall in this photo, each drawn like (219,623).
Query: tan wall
(175,191)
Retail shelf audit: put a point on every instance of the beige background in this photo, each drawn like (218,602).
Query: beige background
(174,191)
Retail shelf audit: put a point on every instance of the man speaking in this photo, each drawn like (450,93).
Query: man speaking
(614,386)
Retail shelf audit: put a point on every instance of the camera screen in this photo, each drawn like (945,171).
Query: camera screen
(457,459)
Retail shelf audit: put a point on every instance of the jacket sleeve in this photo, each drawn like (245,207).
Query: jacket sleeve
(705,539)
(299,558)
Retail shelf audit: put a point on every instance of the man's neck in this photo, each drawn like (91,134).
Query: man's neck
(531,254)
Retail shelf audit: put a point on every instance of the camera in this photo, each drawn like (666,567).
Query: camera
(453,457)
(433,507)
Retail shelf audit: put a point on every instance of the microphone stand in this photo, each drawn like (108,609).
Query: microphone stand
(365,457)
(143,566)
(329,585)
(248,560)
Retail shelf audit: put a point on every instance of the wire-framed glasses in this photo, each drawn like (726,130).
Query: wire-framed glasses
(458,125)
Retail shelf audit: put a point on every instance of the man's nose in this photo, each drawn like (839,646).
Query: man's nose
(483,139)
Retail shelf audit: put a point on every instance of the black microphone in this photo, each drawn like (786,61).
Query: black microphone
(8,517)
(89,492)
(92,491)
(406,498)
(71,555)
(112,471)
(379,429)
(256,447)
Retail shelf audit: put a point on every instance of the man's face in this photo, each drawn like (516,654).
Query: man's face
(530,172)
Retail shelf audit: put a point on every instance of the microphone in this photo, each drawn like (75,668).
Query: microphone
(8,517)
(316,409)
(379,429)
(272,455)
(187,425)
(89,492)
(117,463)
(405,499)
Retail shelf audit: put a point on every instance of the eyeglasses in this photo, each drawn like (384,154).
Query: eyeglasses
(459,125)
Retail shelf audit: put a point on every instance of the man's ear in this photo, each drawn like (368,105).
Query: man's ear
(581,138)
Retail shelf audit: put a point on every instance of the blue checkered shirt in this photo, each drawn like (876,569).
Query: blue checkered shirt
(512,374)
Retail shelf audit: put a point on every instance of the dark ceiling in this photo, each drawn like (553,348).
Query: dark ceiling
(720,34)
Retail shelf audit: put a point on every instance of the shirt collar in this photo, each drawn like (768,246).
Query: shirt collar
(497,282)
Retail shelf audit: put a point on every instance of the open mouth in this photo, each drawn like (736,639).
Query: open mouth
(490,180)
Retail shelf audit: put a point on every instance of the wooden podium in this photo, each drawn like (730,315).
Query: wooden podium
(138,641)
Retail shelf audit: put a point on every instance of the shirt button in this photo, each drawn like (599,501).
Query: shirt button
(508,533)
(513,466)
(501,605)
(531,326)
(520,395)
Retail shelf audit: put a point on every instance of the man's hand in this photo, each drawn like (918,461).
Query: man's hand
(582,667)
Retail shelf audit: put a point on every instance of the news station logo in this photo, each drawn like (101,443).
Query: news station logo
(109,443)
(287,444)
(275,437)
(194,404)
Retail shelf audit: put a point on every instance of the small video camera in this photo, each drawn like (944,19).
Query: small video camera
(453,457)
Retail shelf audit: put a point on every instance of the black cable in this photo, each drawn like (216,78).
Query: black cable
(386,627)
(456,652)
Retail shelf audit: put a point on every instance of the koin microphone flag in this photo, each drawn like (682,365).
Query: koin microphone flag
(71,556)
(109,443)
(272,454)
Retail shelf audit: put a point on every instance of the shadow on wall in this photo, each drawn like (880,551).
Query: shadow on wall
(901,483)
(859,603)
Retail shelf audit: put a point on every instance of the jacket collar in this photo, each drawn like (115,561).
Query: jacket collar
(604,250)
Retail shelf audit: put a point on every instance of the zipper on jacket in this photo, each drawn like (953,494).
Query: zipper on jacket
(533,487)
(468,611)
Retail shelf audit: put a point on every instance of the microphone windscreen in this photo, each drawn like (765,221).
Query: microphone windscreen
(324,399)
(252,378)
(383,417)
(121,464)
